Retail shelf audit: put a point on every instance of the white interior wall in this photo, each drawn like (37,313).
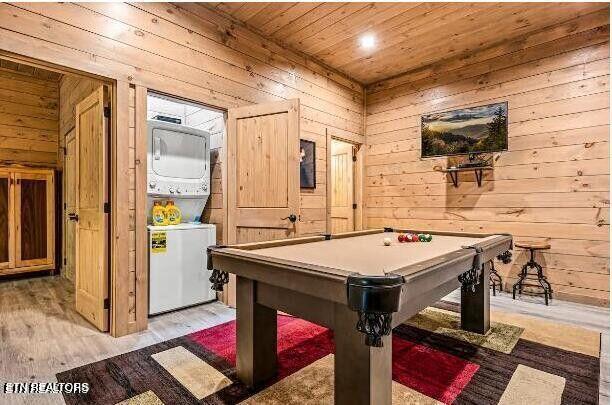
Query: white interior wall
(190,114)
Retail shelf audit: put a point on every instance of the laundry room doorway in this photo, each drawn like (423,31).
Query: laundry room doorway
(184,201)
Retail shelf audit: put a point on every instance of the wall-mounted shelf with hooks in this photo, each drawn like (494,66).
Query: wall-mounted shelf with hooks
(454,173)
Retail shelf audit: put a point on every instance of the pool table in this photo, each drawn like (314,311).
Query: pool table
(358,287)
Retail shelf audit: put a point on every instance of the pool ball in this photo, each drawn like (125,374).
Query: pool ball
(387,241)
(415,238)
(401,238)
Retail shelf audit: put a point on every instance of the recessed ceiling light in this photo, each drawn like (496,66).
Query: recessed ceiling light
(367,41)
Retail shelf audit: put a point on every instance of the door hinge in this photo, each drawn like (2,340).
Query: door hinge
(354,158)
(354,206)
(64,150)
(106,303)
(65,261)
(64,206)
(107,112)
(107,208)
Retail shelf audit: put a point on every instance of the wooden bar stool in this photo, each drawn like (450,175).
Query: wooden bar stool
(527,276)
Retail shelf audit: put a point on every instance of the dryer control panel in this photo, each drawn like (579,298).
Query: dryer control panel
(177,189)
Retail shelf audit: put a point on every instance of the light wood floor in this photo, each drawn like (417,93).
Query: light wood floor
(41,334)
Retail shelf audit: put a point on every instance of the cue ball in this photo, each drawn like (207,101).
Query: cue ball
(387,241)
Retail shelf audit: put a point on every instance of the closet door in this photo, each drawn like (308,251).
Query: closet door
(7,259)
(34,219)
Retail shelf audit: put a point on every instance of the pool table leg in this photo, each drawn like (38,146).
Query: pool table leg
(362,374)
(255,336)
(475,310)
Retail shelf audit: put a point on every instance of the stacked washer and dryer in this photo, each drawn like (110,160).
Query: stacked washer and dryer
(178,166)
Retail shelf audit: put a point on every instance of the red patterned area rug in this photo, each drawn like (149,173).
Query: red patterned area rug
(522,360)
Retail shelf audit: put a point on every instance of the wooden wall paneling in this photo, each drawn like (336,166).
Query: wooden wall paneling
(28,120)
(302,67)
(553,182)
(243,38)
(228,77)
(140,208)
(190,52)
(506,82)
(175,90)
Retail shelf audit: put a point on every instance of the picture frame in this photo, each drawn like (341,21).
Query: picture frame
(465,131)
(308,167)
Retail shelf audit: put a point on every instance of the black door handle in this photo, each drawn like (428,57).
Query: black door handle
(292,218)
(73,217)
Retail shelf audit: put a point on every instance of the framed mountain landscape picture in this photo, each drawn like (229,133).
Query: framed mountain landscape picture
(470,130)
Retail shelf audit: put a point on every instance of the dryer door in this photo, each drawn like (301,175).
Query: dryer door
(178,154)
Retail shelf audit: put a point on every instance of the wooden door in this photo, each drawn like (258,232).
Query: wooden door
(263,179)
(91,261)
(69,207)
(7,232)
(34,219)
(342,187)
(263,172)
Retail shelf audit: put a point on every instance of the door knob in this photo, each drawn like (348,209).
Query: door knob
(292,218)
(73,217)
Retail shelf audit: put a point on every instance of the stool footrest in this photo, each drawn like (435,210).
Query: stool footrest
(536,275)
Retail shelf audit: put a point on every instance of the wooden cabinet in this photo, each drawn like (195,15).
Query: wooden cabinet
(7,258)
(27,220)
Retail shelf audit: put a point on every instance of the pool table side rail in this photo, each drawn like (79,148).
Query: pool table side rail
(438,276)
(300,240)
(445,233)
(330,283)
(318,281)
(490,247)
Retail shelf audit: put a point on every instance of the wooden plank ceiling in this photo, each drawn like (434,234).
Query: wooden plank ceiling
(407,36)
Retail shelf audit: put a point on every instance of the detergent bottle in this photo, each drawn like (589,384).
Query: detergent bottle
(173,213)
(158,212)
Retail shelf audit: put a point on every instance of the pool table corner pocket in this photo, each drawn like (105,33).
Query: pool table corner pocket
(375,299)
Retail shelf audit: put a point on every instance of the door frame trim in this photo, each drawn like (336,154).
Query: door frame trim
(118,251)
(358,177)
